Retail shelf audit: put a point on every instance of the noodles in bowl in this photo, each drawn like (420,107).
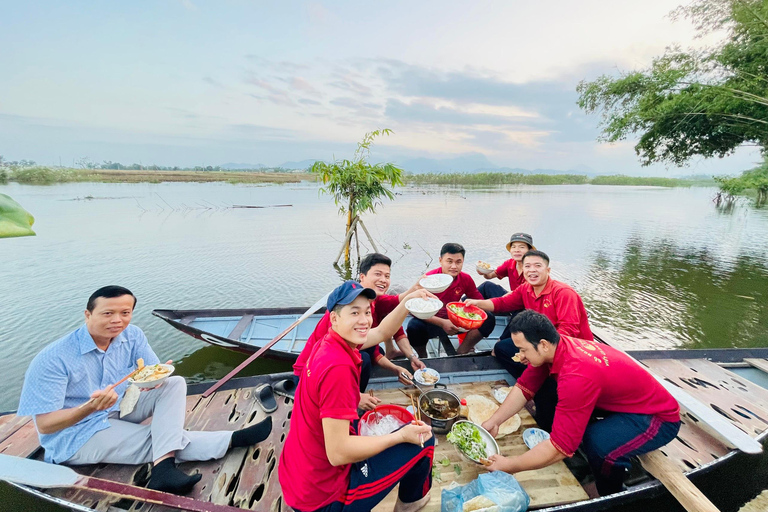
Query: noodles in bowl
(152,375)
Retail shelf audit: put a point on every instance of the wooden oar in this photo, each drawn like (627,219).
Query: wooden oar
(687,494)
(43,475)
(314,307)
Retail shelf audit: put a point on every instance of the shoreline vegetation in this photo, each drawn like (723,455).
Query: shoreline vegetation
(43,175)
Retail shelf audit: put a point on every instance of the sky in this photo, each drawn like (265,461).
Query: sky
(190,82)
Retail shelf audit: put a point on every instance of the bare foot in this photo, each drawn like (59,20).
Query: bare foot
(394,354)
(401,506)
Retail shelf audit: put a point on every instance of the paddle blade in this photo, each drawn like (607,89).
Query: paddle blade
(35,473)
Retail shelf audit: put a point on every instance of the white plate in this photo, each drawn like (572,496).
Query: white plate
(152,383)
(484,270)
(500,394)
(533,436)
(423,308)
(436,283)
(491,446)
(418,375)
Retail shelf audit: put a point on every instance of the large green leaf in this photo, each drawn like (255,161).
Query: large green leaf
(14,220)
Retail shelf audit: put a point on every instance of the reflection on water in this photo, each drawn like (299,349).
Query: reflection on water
(661,295)
(657,267)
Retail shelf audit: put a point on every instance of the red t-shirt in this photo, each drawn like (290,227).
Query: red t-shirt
(592,375)
(463,284)
(509,269)
(329,388)
(380,307)
(558,302)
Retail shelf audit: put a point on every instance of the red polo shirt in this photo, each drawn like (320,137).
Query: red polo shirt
(380,307)
(591,375)
(463,284)
(329,388)
(509,269)
(557,301)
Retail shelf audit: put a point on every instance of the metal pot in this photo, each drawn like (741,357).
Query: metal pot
(439,425)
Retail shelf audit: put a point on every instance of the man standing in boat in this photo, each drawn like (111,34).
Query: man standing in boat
(420,331)
(554,299)
(607,402)
(69,390)
(324,466)
(375,274)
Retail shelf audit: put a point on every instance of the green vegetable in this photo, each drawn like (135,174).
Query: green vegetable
(14,220)
(465,314)
(445,461)
(457,469)
(467,438)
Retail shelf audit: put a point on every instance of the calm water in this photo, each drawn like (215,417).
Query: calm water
(656,267)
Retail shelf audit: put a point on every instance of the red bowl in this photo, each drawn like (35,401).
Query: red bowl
(465,323)
(398,412)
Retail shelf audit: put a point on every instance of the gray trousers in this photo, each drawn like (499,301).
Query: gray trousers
(127,441)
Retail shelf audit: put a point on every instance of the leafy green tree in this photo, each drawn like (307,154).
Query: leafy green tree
(693,102)
(358,186)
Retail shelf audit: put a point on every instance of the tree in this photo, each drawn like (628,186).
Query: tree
(357,186)
(695,102)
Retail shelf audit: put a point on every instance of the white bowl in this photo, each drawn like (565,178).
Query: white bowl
(147,384)
(491,446)
(533,436)
(436,283)
(418,375)
(484,270)
(423,308)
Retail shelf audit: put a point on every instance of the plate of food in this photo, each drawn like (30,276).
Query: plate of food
(484,268)
(472,441)
(533,436)
(436,283)
(423,308)
(152,375)
(426,376)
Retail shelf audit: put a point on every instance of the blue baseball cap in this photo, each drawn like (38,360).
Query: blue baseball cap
(348,292)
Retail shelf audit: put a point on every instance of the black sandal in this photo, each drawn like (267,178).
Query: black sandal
(265,398)
(286,388)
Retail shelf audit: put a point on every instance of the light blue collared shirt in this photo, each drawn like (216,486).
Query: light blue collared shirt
(66,372)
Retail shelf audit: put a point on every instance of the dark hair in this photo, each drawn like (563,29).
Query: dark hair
(372,259)
(535,327)
(540,254)
(108,292)
(451,248)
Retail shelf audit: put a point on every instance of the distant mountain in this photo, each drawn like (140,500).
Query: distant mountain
(304,164)
(466,163)
(232,165)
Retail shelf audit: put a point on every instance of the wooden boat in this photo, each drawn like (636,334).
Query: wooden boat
(732,382)
(247,330)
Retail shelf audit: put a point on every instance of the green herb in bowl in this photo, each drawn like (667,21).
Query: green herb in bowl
(467,438)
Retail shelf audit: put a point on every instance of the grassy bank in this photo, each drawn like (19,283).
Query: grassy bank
(489,178)
(48,175)
(41,175)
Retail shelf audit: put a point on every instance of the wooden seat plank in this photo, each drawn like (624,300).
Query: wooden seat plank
(10,423)
(760,364)
(240,327)
(22,443)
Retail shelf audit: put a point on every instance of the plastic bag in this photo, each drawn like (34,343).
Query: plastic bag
(499,487)
(380,424)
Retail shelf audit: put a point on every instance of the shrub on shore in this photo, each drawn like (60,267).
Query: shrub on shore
(40,175)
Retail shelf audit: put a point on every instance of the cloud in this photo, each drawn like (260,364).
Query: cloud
(305,101)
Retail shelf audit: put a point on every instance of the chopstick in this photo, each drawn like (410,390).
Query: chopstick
(140,364)
(417,410)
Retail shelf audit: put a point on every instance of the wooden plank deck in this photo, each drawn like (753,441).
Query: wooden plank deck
(553,485)
(247,478)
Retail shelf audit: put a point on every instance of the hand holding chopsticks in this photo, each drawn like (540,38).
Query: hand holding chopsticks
(417,414)
(108,389)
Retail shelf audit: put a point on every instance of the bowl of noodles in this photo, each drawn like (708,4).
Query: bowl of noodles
(152,375)
(465,316)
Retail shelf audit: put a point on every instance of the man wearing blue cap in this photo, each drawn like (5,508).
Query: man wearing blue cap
(324,465)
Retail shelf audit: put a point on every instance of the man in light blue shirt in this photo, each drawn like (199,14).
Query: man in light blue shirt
(69,390)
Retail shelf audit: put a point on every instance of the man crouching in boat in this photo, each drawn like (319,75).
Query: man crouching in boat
(87,363)
(606,401)
(324,465)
